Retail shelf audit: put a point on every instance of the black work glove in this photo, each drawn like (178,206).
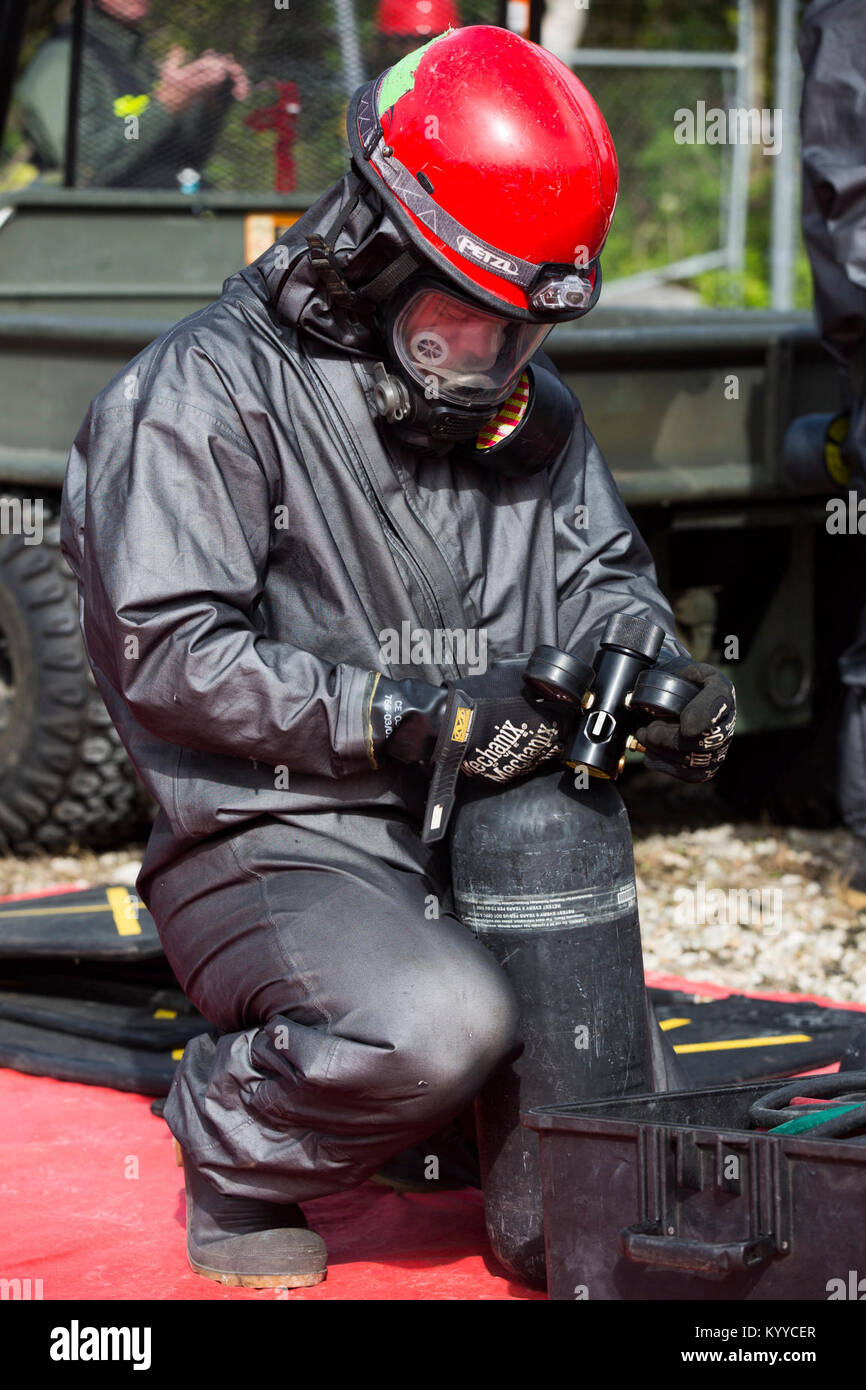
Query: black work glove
(403,719)
(509,733)
(694,748)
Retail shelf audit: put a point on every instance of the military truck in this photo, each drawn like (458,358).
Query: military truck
(109,234)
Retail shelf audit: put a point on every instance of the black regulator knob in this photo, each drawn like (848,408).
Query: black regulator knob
(661,695)
(561,677)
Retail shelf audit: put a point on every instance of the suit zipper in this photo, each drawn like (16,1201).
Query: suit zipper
(392,534)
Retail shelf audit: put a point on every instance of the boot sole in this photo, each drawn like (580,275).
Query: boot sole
(259,1281)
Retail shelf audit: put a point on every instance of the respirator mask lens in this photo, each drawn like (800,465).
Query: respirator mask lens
(459,353)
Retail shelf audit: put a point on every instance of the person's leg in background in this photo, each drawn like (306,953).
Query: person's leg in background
(832,46)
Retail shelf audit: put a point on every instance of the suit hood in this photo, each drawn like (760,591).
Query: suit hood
(286,278)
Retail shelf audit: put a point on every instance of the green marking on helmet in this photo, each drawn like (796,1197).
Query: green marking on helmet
(400,79)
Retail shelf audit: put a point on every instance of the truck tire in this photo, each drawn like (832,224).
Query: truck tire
(65,778)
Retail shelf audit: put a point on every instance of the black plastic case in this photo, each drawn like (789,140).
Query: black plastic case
(674,1196)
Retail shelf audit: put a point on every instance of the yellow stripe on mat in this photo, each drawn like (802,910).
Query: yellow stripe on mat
(53,911)
(123,910)
(742,1042)
(122,903)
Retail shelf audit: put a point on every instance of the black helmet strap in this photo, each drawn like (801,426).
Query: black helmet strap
(386,282)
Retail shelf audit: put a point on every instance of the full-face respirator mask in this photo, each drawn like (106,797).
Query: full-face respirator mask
(452,367)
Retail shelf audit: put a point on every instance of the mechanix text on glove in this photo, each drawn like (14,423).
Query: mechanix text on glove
(513,749)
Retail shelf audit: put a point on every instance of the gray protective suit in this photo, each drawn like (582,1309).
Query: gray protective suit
(244,533)
(832,121)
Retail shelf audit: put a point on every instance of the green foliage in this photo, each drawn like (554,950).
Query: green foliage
(654,24)
(750,287)
(670,198)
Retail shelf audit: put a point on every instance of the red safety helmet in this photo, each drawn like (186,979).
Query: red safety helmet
(495,159)
(416,18)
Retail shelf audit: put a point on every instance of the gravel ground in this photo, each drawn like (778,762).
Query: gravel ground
(745,904)
(750,906)
(78,868)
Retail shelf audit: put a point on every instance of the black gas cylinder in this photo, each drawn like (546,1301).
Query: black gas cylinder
(543,874)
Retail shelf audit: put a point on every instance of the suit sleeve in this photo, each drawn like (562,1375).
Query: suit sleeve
(171,559)
(603,565)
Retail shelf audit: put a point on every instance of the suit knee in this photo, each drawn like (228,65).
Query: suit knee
(425,1049)
(449,1044)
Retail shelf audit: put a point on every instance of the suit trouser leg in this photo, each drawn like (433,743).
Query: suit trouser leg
(354,1021)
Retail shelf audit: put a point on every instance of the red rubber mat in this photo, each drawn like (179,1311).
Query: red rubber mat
(93,1206)
(702,987)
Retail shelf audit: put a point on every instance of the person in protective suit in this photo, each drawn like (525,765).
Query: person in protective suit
(298,521)
(832,46)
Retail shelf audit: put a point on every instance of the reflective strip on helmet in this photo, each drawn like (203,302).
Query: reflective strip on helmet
(400,79)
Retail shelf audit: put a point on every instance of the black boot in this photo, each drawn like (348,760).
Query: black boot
(243,1240)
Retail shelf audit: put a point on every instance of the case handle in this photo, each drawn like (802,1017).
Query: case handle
(647,1245)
